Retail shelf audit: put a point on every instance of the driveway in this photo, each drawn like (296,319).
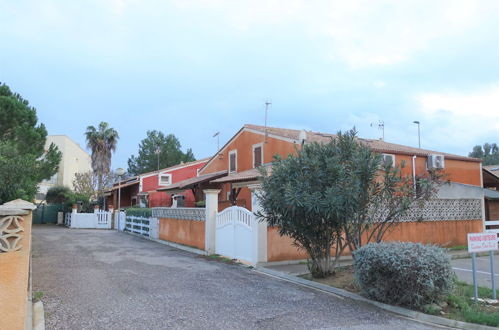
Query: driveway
(103,279)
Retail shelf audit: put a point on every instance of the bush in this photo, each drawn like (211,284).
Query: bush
(139,212)
(58,195)
(406,274)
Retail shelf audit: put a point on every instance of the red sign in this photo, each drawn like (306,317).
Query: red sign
(482,242)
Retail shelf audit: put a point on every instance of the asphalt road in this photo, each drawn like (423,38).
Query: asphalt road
(463,270)
(102,279)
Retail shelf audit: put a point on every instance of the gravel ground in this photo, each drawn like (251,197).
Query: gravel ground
(103,279)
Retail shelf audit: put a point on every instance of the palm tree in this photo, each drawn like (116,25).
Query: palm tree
(102,142)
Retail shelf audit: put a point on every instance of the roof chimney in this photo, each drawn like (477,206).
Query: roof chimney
(302,136)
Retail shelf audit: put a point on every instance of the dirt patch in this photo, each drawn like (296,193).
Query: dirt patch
(342,278)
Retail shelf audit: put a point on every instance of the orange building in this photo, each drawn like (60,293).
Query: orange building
(255,145)
(446,220)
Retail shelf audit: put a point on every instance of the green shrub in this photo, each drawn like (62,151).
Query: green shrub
(406,274)
(139,212)
(58,195)
(200,204)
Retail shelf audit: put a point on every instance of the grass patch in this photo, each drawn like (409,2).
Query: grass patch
(38,295)
(219,258)
(458,305)
(462,307)
(458,248)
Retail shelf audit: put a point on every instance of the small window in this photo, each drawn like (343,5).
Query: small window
(233,161)
(389,159)
(257,155)
(165,179)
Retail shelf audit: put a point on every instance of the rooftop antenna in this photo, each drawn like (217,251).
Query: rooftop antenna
(381,127)
(267,103)
(217,134)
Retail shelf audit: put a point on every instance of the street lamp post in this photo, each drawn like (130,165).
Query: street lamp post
(419,134)
(157,152)
(119,172)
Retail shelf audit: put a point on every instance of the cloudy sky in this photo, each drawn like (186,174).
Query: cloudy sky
(193,68)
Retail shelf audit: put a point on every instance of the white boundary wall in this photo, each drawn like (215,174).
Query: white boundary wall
(97,220)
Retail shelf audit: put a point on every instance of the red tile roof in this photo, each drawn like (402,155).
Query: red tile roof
(376,145)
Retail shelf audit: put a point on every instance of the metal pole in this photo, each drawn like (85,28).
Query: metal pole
(419,134)
(492,274)
(119,195)
(266,108)
(475,284)
(419,137)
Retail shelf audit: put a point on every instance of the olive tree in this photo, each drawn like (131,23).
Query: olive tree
(337,195)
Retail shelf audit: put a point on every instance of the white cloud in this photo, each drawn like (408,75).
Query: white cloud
(483,103)
(456,119)
(362,33)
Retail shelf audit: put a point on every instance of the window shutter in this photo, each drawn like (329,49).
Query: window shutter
(257,156)
(232,162)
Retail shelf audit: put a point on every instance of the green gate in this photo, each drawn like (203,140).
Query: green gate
(47,213)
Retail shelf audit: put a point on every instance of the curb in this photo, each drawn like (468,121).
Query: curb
(175,245)
(467,255)
(417,316)
(38,316)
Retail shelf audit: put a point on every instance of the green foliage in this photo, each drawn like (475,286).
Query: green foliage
(169,153)
(102,142)
(201,204)
(38,295)
(331,196)
(463,308)
(24,162)
(139,212)
(407,274)
(489,153)
(58,195)
(87,206)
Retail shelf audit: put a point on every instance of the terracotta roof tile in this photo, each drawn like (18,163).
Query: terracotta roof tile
(247,175)
(493,169)
(377,145)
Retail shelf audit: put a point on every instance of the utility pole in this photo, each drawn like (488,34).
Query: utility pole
(267,103)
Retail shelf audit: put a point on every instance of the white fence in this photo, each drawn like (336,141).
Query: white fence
(142,225)
(236,232)
(97,220)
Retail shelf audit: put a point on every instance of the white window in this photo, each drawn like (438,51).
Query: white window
(257,155)
(232,161)
(165,179)
(389,159)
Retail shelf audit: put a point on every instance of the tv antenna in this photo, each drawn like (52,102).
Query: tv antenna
(217,134)
(381,127)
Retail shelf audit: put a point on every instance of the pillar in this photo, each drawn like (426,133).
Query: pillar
(261,226)
(113,219)
(210,226)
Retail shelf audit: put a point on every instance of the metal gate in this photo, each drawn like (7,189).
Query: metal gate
(236,234)
(47,213)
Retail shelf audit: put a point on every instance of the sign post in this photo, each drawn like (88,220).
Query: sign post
(482,242)
(492,275)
